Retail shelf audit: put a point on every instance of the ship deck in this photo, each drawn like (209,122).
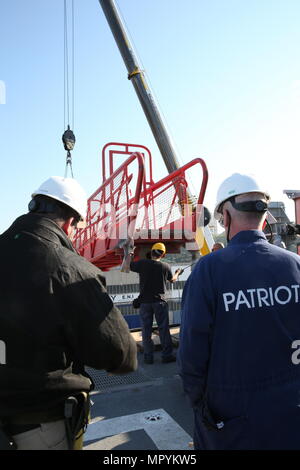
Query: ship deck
(144,410)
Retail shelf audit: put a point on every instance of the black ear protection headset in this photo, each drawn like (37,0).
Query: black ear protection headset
(248,206)
(41,206)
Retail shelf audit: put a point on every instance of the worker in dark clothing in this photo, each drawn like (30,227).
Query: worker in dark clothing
(240,328)
(154,274)
(55,318)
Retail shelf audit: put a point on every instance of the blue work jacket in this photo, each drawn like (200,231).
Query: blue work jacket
(239,348)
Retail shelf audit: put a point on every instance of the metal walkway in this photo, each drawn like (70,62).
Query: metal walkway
(145,410)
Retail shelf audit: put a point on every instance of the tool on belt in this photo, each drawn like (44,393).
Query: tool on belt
(77,410)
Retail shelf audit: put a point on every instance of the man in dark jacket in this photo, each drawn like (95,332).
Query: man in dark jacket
(55,318)
(240,332)
(154,274)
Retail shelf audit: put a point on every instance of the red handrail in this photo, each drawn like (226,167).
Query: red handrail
(126,150)
(182,170)
(177,180)
(81,237)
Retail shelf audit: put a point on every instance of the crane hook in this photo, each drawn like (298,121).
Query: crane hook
(69,140)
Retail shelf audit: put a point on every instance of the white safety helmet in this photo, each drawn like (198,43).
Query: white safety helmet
(236,185)
(65,190)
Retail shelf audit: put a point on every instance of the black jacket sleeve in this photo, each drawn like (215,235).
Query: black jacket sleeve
(96,331)
(169,273)
(135,266)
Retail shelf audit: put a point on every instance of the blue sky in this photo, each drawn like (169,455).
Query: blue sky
(226,74)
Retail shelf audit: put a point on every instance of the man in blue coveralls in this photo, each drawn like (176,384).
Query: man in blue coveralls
(240,332)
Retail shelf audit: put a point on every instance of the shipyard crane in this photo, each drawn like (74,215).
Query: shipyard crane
(129,205)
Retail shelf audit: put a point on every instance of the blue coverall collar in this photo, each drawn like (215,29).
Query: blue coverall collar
(248,236)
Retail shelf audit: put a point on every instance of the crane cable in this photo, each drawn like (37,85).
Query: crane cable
(68,136)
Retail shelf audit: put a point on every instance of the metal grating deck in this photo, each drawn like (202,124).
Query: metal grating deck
(104,381)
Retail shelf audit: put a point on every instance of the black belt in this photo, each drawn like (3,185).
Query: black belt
(14,429)
(37,417)
(28,421)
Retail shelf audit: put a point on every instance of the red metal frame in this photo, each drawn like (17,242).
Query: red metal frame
(188,217)
(139,216)
(114,149)
(96,241)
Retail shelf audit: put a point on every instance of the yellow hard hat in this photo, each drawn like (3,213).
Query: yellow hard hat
(159,246)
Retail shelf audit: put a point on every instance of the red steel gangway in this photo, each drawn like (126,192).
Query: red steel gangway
(129,204)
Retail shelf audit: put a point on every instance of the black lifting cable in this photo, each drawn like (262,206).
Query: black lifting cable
(68,137)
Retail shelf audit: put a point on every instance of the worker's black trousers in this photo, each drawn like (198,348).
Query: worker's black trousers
(160,311)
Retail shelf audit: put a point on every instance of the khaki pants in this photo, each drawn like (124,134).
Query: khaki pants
(48,436)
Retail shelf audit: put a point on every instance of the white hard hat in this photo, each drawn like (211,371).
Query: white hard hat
(66,190)
(235,185)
